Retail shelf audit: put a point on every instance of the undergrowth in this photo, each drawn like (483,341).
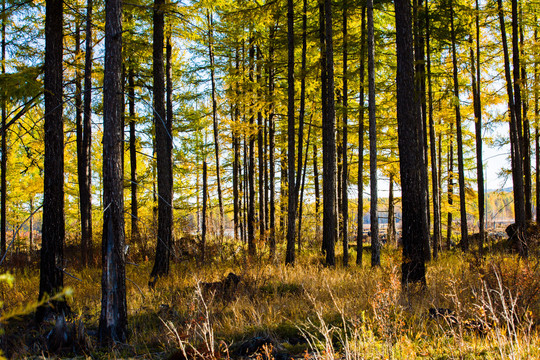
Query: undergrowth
(471,308)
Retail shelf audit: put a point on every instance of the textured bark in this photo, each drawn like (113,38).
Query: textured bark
(85,150)
(345,174)
(291,210)
(537,135)
(204,206)
(526,140)
(317,190)
(360,215)
(414,207)
(113,317)
(329,145)
(301,201)
(3,161)
(51,278)
(251,166)
(236,151)
(272,145)
(215,120)
(374,220)
(324,111)
(464,243)
(163,131)
(437,237)
(133,156)
(391,231)
(450,189)
(260,153)
(517,170)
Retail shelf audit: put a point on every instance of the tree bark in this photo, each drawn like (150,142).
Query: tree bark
(3,165)
(133,156)
(329,145)
(345,174)
(236,150)
(391,231)
(271,139)
(317,190)
(260,152)
(517,170)
(360,230)
(291,211)
(374,220)
(53,228)
(537,117)
(464,244)
(204,206)
(414,205)
(450,186)
(251,166)
(437,238)
(163,131)
(113,317)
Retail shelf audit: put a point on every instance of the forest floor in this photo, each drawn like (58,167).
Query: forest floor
(471,308)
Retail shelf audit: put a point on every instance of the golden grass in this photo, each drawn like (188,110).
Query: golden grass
(353,313)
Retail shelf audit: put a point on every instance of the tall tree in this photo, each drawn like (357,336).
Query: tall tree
(374,220)
(3,164)
(163,131)
(272,144)
(360,215)
(345,174)
(251,163)
(113,317)
(133,154)
(291,211)
(414,208)
(84,146)
(461,167)
(517,169)
(329,144)
(51,278)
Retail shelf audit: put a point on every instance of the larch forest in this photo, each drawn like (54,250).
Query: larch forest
(269,179)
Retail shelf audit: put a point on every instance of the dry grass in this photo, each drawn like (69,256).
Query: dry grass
(312,311)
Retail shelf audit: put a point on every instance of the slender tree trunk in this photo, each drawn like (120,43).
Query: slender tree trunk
(464,244)
(31,225)
(415,229)
(113,317)
(3,165)
(271,135)
(236,150)
(329,145)
(517,170)
(163,130)
(391,231)
(260,152)
(53,228)
(251,165)
(360,215)
(324,84)
(317,191)
(432,141)
(475,73)
(204,207)
(537,124)
(291,211)
(375,244)
(345,173)
(133,156)
(301,202)
(215,120)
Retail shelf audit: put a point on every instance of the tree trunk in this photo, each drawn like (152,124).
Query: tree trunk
(374,221)
(345,174)
(51,278)
(301,201)
(360,230)
(215,121)
(3,165)
(291,211)
(113,317)
(432,141)
(236,150)
(251,165)
(329,145)
(537,117)
(450,187)
(163,131)
(133,157)
(260,152)
(317,191)
(391,231)
(464,244)
(204,206)
(414,208)
(324,111)
(517,170)
(271,135)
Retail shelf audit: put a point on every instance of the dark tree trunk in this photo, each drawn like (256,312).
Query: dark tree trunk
(517,170)
(85,166)
(3,165)
(450,186)
(301,201)
(374,220)
(260,152)
(475,74)
(360,230)
(163,130)
(317,190)
(236,151)
(537,135)
(133,156)
(271,139)
(464,244)
(345,174)
(414,206)
(215,120)
(329,145)
(324,111)
(251,166)
(437,238)
(391,212)
(51,278)
(291,211)
(113,317)
(204,206)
